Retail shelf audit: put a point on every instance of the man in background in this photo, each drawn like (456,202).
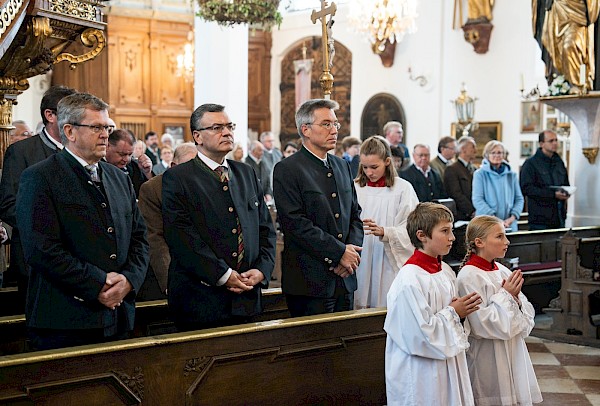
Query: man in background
(427,183)
(152,151)
(445,156)
(119,152)
(458,178)
(256,159)
(394,134)
(20,132)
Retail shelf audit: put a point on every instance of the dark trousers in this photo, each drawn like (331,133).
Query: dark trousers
(49,339)
(308,305)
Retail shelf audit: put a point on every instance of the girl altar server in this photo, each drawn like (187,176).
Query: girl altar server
(386,200)
(499,365)
(425,361)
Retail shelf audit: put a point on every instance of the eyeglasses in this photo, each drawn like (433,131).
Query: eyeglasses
(96,129)
(496,153)
(328,125)
(218,128)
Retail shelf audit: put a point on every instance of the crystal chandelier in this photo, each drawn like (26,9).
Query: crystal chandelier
(185,60)
(384,20)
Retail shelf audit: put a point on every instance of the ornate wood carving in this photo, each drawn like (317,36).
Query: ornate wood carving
(135,381)
(259,80)
(342,71)
(196,365)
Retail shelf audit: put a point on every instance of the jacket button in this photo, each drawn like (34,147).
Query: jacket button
(231,210)
(90,182)
(329,174)
(337,215)
(326,259)
(234,254)
(334,195)
(234,230)
(256,204)
(113,256)
(110,230)
(225,188)
(340,235)
(103,205)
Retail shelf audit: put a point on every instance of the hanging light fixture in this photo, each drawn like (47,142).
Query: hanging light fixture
(465,112)
(185,60)
(384,21)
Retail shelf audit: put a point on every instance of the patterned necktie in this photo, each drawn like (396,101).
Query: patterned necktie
(221,171)
(93,171)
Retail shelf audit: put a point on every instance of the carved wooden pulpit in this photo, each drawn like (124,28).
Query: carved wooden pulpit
(35,35)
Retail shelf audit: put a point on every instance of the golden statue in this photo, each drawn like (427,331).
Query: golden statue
(568,37)
(480,10)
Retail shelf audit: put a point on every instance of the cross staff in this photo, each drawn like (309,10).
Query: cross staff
(326,77)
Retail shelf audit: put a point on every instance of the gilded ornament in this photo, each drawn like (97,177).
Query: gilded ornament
(8,14)
(91,37)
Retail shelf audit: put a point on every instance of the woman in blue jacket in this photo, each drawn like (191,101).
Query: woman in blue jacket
(496,190)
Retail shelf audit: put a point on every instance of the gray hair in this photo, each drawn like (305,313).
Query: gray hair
(490,146)
(464,140)
(71,109)
(421,146)
(391,124)
(305,113)
(184,149)
(265,134)
(255,144)
(167,136)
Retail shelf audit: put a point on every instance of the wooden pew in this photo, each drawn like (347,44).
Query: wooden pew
(324,359)
(152,318)
(571,310)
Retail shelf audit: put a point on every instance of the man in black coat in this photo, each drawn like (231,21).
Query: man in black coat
(18,157)
(458,178)
(541,176)
(320,217)
(425,180)
(86,240)
(218,229)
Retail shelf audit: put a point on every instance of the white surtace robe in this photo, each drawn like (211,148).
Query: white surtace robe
(499,365)
(425,362)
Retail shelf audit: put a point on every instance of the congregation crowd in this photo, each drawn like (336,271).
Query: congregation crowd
(97,219)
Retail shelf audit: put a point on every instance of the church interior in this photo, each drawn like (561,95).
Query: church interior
(155,61)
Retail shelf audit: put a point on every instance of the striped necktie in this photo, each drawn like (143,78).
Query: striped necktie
(221,171)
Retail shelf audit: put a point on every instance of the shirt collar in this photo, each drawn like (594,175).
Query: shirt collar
(481,263)
(79,159)
(52,140)
(444,160)
(325,162)
(254,159)
(427,262)
(425,173)
(465,163)
(210,163)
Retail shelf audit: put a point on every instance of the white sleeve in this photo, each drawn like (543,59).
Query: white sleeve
(417,330)
(499,316)
(396,241)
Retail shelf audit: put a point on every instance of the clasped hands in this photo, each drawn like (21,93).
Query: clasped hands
(513,284)
(242,282)
(349,261)
(114,290)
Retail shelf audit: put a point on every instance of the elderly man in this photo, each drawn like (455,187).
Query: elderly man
(394,134)
(150,203)
(20,156)
(86,240)
(541,179)
(20,132)
(119,152)
(427,183)
(218,228)
(320,217)
(458,178)
(256,159)
(445,156)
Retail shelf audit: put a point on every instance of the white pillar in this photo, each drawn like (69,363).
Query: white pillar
(221,71)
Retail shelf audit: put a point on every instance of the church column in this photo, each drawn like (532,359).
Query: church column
(221,71)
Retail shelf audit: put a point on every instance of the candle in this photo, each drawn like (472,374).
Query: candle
(522,83)
(582,74)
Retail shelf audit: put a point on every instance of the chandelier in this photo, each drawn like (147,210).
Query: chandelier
(185,60)
(384,20)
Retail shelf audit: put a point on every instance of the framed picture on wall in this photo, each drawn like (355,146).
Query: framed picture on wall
(531,117)
(177,131)
(527,148)
(486,132)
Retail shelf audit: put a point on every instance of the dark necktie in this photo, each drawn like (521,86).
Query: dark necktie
(221,172)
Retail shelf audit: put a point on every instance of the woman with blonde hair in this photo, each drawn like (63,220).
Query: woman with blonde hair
(386,200)
(496,190)
(237,153)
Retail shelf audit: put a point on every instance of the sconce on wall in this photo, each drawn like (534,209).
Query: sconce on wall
(465,112)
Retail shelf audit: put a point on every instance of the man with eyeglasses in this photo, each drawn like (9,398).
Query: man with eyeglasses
(320,217)
(218,229)
(445,156)
(541,179)
(18,157)
(86,243)
(20,132)
(426,182)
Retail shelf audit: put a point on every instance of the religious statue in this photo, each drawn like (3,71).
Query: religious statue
(568,37)
(480,10)
(330,42)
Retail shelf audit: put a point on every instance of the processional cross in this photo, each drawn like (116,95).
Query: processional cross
(326,77)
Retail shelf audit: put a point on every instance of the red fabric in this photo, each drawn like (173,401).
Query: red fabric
(481,263)
(428,263)
(379,183)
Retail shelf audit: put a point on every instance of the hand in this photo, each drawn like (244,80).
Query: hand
(114,290)
(466,305)
(252,277)
(514,283)
(561,195)
(339,270)
(351,258)
(235,283)
(372,228)
(145,165)
(507,222)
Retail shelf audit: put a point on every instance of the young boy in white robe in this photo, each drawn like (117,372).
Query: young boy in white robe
(499,364)
(425,361)
(386,201)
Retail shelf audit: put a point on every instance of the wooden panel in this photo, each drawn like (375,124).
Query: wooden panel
(259,80)
(308,360)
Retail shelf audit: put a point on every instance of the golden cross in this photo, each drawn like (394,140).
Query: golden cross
(326,77)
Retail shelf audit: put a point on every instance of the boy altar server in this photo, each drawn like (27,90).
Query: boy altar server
(425,361)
